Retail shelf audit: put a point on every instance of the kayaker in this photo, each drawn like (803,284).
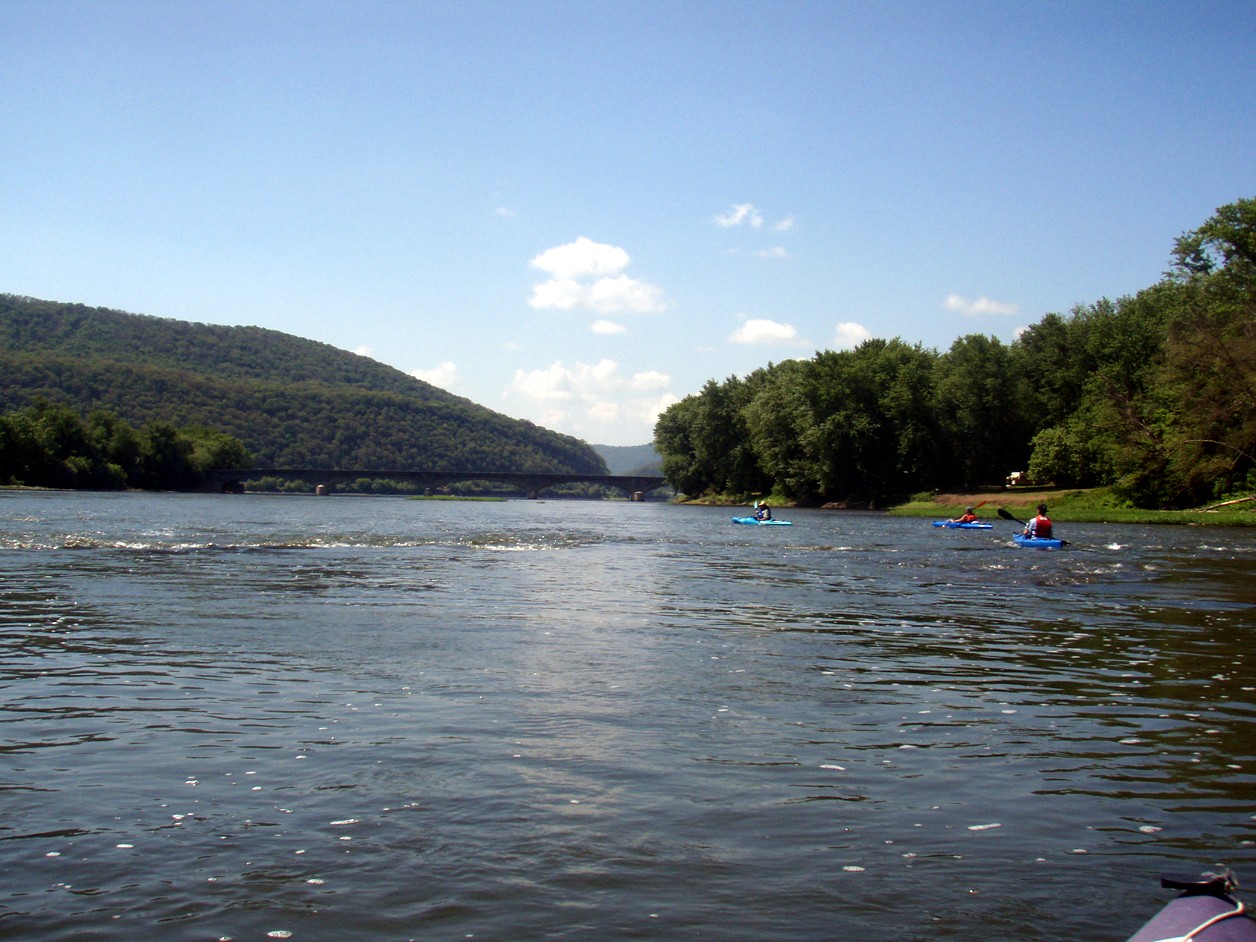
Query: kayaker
(1040,526)
(762,511)
(968,516)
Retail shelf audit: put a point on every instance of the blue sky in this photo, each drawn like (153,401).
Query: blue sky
(577,213)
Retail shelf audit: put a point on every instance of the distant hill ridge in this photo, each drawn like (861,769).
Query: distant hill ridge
(293,402)
(631,459)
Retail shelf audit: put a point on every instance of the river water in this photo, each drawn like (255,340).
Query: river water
(369,718)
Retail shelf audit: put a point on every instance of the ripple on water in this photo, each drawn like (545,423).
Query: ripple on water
(367,719)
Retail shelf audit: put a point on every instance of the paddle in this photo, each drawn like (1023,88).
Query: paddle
(1007,516)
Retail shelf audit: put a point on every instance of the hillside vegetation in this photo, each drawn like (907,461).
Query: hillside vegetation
(291,402)
(1152,397)
(630,459)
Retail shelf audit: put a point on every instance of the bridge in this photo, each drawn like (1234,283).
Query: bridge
(531,483)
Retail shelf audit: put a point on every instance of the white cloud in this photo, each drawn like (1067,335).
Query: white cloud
(545,385)
(607,328)
(641,412)
(581,258)
(587,274)
(848,335)
(560,293)
(747,214)
(776,252)
(603,411)
(622,293)
(560,382)
(599,375)
(739,214)
(647,411)
(594,401)
(506,212)
(982,305)
(606,296)
(764,332)
(649,380)
(364,351)
(445,376)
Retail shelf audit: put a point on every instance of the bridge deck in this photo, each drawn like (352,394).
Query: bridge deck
(529,482)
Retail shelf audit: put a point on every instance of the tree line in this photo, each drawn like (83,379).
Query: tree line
(51,445)
(1152,395)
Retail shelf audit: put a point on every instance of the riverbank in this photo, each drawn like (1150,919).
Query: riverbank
(1093,505)
(1077,505)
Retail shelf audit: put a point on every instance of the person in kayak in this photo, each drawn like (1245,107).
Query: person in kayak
(968,516)
(1040,526)
(762,511)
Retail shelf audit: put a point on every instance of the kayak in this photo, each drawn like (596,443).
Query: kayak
(952,525)
(763,523)
(1036,542)
(1206,911)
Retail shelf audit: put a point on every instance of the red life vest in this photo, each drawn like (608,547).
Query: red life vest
(1042,527)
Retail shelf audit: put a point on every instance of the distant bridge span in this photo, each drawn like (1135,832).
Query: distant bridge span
(531,483)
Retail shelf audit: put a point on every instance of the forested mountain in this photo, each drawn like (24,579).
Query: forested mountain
(630,459)
(1153,395)
(292,402)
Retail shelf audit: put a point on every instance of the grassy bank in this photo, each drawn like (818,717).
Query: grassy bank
(1094,505)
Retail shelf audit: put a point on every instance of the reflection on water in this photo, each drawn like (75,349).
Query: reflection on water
(380,718)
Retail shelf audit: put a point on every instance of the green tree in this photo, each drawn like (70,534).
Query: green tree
(214,449)
(116,442)
(1167,414)
(62,437)
(1225,243)
(20,452)
(674,440)
(983,409)
(875,435)
(1066,455)
(705,444)
(1053,358)
(1210,356)
(165,459)
(777,418)
(1153,394)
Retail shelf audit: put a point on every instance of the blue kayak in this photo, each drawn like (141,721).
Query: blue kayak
(751,521)
(952,525)
(1036,542)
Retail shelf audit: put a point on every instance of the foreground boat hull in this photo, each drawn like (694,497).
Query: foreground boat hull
(1205,912)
